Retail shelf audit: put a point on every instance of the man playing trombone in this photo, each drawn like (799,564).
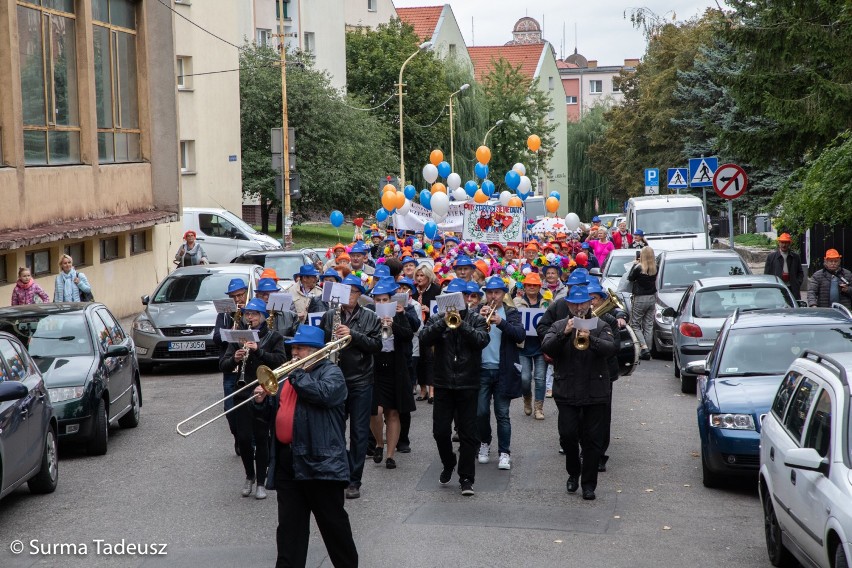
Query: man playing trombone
(237,291)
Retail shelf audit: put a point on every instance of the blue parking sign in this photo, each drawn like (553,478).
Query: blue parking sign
(652,176)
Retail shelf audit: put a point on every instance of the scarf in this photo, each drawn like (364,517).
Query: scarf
(23,286)
(69,289)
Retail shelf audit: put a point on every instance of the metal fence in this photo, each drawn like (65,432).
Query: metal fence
(823,238)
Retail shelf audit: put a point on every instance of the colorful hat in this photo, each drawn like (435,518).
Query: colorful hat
(473,288)
(596,219)
(339,246)
(785,238)
(269,273)
(309,335)
(381,271)
(236,285)
(359,248)
(343,256)
(256,305)
(832,254)
(584,246)
(578,278)
(463,260)
(190,232)
(355,282)
(595,287)
(531,246)
(266,285)
(639,232)
(451,240)
(405,281)
(331,273)
(558,268)
(376,235)
(578,295)
(385,286)
(496,283)
(408,259)
(419,252)
(483,267)
(307,270)
(456,285)
(498,246)
(532,278)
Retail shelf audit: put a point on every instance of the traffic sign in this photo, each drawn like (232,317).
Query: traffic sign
(677,178)
(652,190)
(701,171)
(652,177)
(730,181)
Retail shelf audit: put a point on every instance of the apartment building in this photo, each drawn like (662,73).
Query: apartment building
(438,25)
(368,14)
(587,84)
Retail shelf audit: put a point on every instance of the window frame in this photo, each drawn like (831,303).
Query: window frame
(593,83)
(79,259)
(569,101)
(4,269)
(814,391)
(310,38)
(372,5)
(186,159)
(807,442)
(183,72)
(133,249)
(31,254)
(102,241)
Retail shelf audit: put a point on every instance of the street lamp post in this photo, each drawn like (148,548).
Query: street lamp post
(424,45)
(452,153)
(496,124)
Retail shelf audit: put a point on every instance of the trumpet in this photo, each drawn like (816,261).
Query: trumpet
(453,318)
(581,343)
(492,307)
(269,379)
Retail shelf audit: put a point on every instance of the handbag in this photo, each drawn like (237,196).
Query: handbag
(86,296)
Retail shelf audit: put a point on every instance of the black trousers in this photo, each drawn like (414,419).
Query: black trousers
(296,501)
(586,425)
(457,405)
(251,428)
(608,435)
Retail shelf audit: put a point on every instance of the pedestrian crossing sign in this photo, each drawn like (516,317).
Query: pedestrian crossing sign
(701,171)
(677,178)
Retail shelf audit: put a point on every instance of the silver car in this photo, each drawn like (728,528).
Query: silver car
(704,307)
(178,321)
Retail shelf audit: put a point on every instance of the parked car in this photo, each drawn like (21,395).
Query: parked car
(738,380)
(676,271)
(608,220)
(179,317)
(805,468)
(89,367)
(285,263)
(704,307)
(617,264)
(27,425)
(223,235)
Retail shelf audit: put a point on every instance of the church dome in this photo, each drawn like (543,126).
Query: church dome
(577,59)
(526,24)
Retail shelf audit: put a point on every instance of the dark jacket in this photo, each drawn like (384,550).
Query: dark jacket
(775,266)
(319,423)
(513,332)
(819,288)
(556,311)
(223,321)
(356,361)
(611,320)
(580,378)
(270,352)
(643,284)
(458,352)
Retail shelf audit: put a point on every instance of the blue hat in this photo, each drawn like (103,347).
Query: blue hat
(355,282)
(596,219)
(331,273)
(463,260)
(578,295)
(408,259)
(556,266)
(267,285)
(405,281)
(385,286)
(307,270)
(381,271)
(452,239)
(390,238)
(256,305)
(309,335)
(456,285)
(419,252)
(236,284)
(473,288)
(437,241)
(595,287)
(639,232)
(577,278)
(496,283)
(359,248)
(584,246)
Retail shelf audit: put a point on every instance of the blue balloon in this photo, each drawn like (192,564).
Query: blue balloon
(409,192)
(381,215)
(524,196)
(555,194)
(470,188)
(488,187)
(444,169)
(481,170)
(513,179)
(430,229)
(336,218)
(426,199)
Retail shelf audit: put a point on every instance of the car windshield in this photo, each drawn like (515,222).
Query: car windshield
(617,264)
(722,303)
(671,221)
(54,335)
(285,266)
(769,351)
(194,287)
(680,273)
(607,220)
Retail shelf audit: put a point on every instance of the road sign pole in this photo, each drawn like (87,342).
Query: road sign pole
(731,221)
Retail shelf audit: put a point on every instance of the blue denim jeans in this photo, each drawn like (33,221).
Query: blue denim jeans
(533,367)
(358,405)
(488,389)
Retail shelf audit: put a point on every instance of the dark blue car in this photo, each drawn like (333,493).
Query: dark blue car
(740,377)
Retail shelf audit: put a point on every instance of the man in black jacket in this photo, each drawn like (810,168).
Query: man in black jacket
(581,390)
(786,265)
(356,362)
(458,354)
(559,309)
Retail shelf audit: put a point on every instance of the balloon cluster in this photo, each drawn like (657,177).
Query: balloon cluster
(516,179)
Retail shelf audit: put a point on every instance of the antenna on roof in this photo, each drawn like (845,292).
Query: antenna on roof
(575,37)
(562,48)
(472,40)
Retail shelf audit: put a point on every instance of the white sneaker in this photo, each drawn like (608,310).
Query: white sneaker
(484,450)
(505,461)
(247,487)
(261,492)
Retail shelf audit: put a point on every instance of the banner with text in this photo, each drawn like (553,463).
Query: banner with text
(529,316)
(486,223)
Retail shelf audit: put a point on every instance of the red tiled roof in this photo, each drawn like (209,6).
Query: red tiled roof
(566,65)
(527,56)
(423,19)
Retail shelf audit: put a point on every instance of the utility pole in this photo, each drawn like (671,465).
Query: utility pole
(287,232)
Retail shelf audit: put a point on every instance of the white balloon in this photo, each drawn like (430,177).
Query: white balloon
(520,168)
(440,203)
(406,207)
(505,196)
(453,181)
(438,218)
(572,221)
(459,194)
(525,185)
(430,173)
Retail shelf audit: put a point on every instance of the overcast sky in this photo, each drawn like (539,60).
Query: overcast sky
(603,33)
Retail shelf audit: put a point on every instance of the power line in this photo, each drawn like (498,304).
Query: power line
(202,28)
(431,124)
(371,108)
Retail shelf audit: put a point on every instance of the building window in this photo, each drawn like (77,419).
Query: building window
(616,87)
(452,50)
(48,50)
(116,85)
(77,251)
(570,100)
(596,87)
(310,42)
(278,5)
(550,83)
(38,261)
(138,242)
(263,37)
(371,5)
(109,249)
(3,274)
(184,2)
(184,73)
(187,156)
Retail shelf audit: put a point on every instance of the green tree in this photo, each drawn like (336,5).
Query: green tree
(585,185)
(470,118)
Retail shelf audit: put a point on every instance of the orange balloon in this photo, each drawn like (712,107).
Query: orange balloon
(483,154)
(515,201)
(387,188)
(436,157)
(552,204)
(389,200)
(438,186)
(400,199)
(480,196)
(534,142)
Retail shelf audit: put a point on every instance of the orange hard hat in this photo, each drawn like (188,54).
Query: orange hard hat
(785,238)
(532,278)
(832,254)
(269,273)
(483,267)
(531,246)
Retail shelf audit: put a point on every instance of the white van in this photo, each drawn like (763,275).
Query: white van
(223,235)
(670,222)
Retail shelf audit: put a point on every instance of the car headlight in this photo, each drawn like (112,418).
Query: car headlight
(732,421)
(145,326)
(62,394)
(658,315)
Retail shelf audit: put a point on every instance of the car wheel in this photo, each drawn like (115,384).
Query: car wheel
(48,476)
(100,431)
(688,383)
(131,419)
(709,478)
(778,553)
(840,557)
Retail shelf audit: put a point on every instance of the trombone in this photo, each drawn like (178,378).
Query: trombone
(269,379)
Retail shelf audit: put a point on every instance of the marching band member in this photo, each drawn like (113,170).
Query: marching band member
(412,312)
(237,291)
(304,290)
(532,360)
(358,258)
(464,267)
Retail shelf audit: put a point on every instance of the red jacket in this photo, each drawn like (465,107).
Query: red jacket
(616,239)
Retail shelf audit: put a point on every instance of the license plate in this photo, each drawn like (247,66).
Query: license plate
(186,346)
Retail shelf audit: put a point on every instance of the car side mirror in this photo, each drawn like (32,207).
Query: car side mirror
(12,390)
(670,312)
(697,368)
(117,351)
(146,300)
(807,459)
